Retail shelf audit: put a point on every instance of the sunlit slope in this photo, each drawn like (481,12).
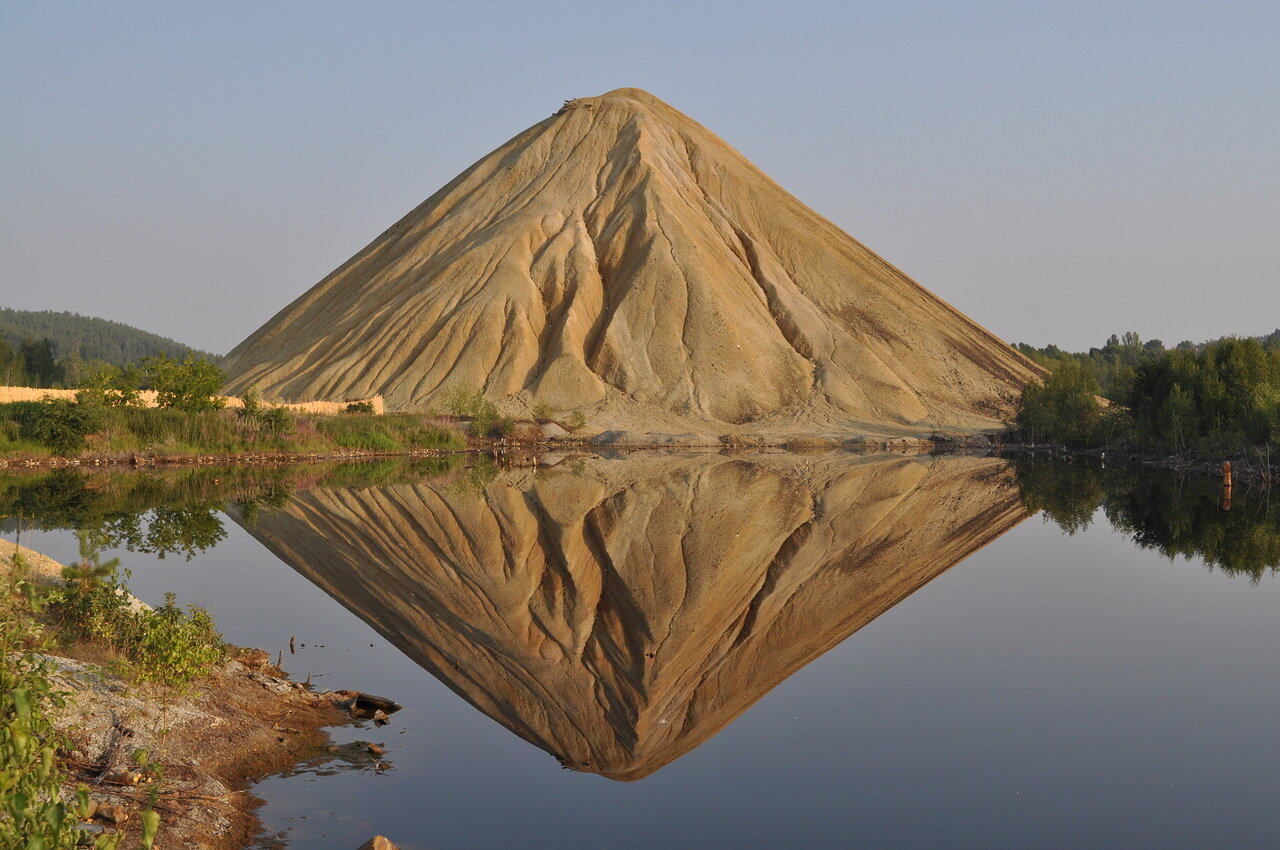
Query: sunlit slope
(619,616)
(620,258)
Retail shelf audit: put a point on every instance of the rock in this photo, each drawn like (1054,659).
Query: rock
(380,718)
(114,814)
(254,658)
(87,833)
(378,842)
(375,749)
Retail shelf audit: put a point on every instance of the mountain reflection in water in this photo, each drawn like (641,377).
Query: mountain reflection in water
(618,613)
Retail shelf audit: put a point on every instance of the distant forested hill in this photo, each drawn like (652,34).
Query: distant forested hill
(86,338)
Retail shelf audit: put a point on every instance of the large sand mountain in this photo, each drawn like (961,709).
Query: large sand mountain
(620,258)
(619,614)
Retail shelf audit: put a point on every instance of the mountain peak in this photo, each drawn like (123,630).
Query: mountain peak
(622,259)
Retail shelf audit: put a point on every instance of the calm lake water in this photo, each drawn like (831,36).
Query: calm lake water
(752,651)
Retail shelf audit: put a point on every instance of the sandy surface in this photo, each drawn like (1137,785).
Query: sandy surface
(620,259)
(147,398)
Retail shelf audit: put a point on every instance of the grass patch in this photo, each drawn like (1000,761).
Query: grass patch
(67,428)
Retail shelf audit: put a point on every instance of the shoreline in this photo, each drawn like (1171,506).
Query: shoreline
(243,722)
(1244,469)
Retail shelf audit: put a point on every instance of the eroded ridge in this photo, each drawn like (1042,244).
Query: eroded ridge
(618,257)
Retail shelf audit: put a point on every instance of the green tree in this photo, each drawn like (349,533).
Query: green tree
(190,384)
(58,423)
(1178,418)
(1064,407)
(40,364)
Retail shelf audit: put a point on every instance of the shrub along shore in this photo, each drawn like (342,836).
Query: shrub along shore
(1188,408)
(180,418)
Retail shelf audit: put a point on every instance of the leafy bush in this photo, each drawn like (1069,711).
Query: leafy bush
(33,812)
(358,407)
(277,421)
(59,424)
(111,386)
(471,404)
(189,384)
(164,645)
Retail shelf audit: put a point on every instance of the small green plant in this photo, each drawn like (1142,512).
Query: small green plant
(577,419)
(174,647)
(35,809)
(542,411)
(190,384)
(471,404)
(250,404)
(358,407)
(277,421)
(58,423)
(165,645)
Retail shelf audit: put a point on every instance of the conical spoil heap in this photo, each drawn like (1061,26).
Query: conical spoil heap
(620,259)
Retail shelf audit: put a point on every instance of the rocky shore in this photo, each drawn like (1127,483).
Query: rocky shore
(205,744)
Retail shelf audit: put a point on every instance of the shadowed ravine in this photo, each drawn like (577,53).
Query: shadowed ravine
(620,613)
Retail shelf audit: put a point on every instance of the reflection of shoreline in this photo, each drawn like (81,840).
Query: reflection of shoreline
(619,614)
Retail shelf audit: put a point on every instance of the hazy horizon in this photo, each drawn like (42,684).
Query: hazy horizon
(1058,175)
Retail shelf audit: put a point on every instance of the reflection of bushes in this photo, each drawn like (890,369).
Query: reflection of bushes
(1069,494)
(141,513)
(177,511)
(1159,511)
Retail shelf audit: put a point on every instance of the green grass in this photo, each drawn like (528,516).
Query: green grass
(117,430)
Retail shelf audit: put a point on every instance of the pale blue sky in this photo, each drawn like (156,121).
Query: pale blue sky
(1057,171)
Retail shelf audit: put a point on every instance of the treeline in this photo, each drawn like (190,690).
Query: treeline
(1220,396)
(1115,364)
(31,364)
(43,348)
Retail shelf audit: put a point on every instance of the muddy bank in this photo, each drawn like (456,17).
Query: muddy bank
(519,452)
(210,742)
(229,730)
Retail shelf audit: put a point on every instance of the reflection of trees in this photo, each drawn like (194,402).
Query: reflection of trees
(177,511)
(1161,511)
(139,513)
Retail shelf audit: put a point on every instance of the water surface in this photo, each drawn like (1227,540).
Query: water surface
(750,650)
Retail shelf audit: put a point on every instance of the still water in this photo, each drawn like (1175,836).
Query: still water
(753,651)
